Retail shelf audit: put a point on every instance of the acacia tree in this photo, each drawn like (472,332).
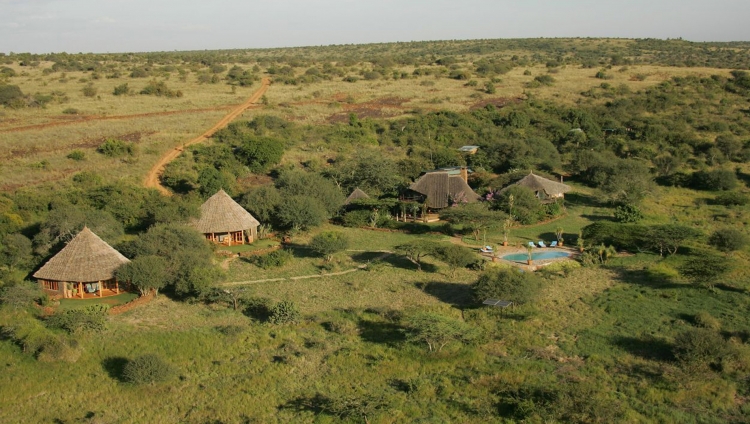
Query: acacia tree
(474,216)
(437,330)
(670,237)
(416,250)
(705,269)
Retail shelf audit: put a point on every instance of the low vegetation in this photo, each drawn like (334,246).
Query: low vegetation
(369,312)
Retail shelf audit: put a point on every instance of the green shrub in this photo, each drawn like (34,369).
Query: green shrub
(159,89)
(10,94)
(559,268)
(732,198)
(371,75)
(717,179)
(20,296)
(116,148)
(284,312)
(622,236)
(544,79)
(148,368)
(460,75)
(7,72)
(343,326)
(356,218)
(704,319)
(328,243)
(89,90)
(89,319)
(507,284)
(728,240)
(230,330)
(257,307)
(121,90)
(628,214)
(71,111)
(76,155)
(274,259)
(700,348)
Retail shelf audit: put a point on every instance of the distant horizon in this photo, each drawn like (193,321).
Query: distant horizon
(46,26)
(370,43)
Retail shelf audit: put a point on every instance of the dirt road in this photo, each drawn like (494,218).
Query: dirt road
(152,178)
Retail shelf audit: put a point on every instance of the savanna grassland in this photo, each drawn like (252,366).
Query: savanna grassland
(368,314)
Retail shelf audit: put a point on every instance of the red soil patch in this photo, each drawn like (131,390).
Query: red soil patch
(385,107)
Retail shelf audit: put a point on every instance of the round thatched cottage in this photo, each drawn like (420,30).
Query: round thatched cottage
(224,221)
(84,268)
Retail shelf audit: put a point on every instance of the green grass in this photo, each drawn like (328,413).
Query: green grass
(603,329)
(120,299)
(257,245)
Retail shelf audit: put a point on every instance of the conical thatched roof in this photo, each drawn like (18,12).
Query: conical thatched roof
(537,183)
(356,194)
(221,214)
(440,186)
(85,258)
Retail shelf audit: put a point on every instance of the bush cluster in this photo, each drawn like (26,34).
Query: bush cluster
(284,312)
(274,259)
(114,148)
(89,319)
(147,369)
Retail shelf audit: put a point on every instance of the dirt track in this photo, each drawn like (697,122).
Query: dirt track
(152,178)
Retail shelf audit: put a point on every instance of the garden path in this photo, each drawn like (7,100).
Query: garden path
(383,255)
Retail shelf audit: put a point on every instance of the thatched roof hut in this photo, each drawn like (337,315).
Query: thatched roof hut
(85,259)
(224,221)
(544,188)
(441,187)
(356,194)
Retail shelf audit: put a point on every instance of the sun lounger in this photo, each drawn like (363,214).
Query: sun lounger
(541,243)
(553,244)
(531,244)
(486,249)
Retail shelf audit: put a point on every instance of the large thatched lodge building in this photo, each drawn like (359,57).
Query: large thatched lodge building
(224,221)
(84,268)
(441,188)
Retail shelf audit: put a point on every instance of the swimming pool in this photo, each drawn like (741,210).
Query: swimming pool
(523,257)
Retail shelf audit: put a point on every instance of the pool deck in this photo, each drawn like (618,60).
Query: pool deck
(537,263)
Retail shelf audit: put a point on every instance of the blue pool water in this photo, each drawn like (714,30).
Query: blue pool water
(522,257)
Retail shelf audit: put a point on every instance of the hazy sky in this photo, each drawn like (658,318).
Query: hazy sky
(73,26)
